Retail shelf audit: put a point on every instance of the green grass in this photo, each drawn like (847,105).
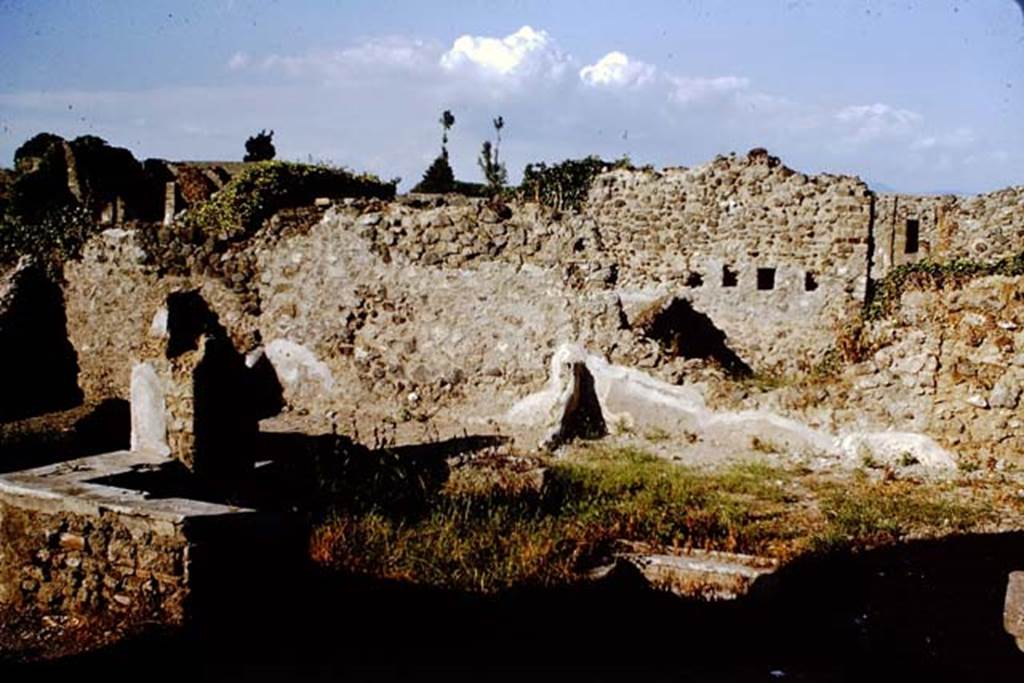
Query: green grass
(863,514)
(484,535)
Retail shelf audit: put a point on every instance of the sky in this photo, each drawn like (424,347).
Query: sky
(913,96)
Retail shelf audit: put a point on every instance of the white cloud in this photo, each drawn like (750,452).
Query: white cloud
(616,69)
(687,91)
(239,60)
(391,51)
(871,122)
(525,53)
(390,91)
(960,138)
(363,59)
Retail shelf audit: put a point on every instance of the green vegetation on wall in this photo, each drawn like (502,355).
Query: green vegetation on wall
(51,238)
(204,240)
(932,275)
(565,185)
(264,188)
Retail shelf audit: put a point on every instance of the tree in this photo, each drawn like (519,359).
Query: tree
(499,123)
(260,147)
(447,121)
(439,177)
(35,148)
(564,185)
(494,171)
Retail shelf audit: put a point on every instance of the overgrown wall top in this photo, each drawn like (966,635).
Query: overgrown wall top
(982,228)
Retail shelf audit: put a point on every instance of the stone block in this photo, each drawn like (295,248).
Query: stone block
(148,411)
(1013,611)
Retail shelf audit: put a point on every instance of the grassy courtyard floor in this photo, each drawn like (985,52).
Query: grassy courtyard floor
(545,522)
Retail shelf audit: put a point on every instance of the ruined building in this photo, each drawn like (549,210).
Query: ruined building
(439,315)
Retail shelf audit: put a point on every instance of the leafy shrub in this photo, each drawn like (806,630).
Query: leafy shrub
(494,171)
(44,191)
(53,238)
(35,148)
(565,185)
(203,240)
(260,147)
(261,190)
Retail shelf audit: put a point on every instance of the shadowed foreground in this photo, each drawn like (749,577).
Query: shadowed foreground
(930,609)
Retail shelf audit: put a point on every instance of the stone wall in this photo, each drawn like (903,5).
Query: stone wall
(111,299)
(65,561)
(403,311)
(982,228)
(794,246)
(399,311)
(950,363)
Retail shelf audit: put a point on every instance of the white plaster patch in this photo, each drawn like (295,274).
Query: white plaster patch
(296,365)
(895,448)
(543,406)
(630,396)
(116,234)
(158,328)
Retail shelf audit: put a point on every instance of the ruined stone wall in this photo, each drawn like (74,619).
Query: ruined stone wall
(950,363)
(35,355)
(683,231)
(427,301)
(385,310)
(982,228)
(407,310)
(398,311)
(111,298)
(61,560)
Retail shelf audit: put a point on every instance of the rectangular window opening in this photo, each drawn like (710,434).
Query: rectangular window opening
(810,282)
(729,277)
(913,241)
(765,278)
(694,279)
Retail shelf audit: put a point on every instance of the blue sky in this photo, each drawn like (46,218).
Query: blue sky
(917,96)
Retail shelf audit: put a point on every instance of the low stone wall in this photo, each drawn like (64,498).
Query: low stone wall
(74,539)
(69,561)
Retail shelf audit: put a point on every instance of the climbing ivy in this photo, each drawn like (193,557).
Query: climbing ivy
(52,238)
(933,275)
(265,187)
